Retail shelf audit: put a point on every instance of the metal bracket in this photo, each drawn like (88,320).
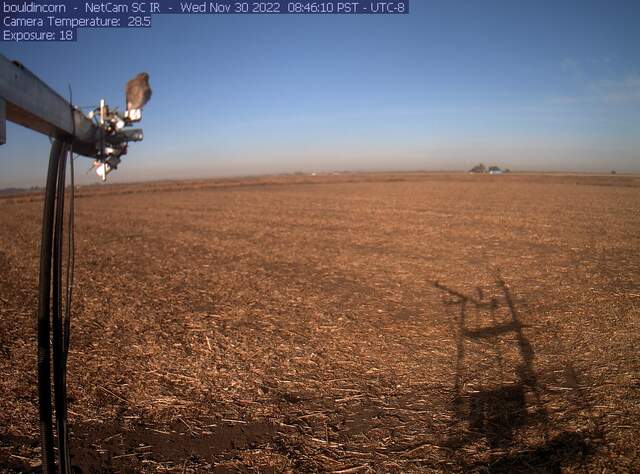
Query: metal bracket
(28,101)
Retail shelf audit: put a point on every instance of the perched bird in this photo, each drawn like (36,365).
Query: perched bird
(138,91)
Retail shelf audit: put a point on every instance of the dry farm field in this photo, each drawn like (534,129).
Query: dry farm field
(350,324)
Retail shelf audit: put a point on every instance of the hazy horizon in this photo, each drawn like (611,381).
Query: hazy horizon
(546,86)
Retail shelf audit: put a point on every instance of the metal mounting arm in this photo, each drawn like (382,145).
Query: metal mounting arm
(27,100)
(32,103)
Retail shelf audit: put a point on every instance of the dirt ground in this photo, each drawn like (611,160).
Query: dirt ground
(348,324)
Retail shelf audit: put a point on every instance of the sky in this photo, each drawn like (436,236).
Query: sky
(536,86)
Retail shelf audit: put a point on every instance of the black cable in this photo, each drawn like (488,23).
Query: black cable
(61,411)
(71,236)
(44,301)
(62,319)
(71,256)
(51,318)
(59,379)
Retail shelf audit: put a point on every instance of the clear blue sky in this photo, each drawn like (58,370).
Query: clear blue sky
(539,85)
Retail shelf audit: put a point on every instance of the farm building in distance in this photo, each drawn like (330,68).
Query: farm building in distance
(482,169)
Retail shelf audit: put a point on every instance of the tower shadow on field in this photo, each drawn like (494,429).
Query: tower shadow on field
(498,397)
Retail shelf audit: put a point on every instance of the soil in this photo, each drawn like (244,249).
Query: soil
(349,324)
